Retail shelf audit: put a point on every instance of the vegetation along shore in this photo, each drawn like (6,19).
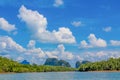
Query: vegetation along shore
(7,65)
(112,65)
(10,66)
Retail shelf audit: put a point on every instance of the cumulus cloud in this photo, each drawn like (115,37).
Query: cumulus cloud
(100,55)
(107,29)
(15,51)
(7,44)
(115,43)
(35,21)
(33,54)
(6,26)
(64,54)
(93,42)
(37,24)
(9,48)
(77,23)
(58,3)
(31,44)
(60,53)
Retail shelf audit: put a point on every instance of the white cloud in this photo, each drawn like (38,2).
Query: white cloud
(60,53)
(2,45)
(93,42)
(15,51)
(9,48)
(52,54)
(37,24)
(7,45)
(58,3)
(84,44)
(35,21)
(64,54)
(101,55)
(37,55)
(96,42)
(32,50)
(38,52)
(6,26)
(77,23)
(64,35)
(115,43)
(31,44)
(107,29)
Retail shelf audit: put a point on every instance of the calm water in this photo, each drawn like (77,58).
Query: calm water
(62,76)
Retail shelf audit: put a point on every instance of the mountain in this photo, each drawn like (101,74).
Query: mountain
(63,63)
(56,62)
(25,62)
(51,61)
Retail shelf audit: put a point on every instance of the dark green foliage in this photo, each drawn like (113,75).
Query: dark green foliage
(7,65)
(111,64)
(84,62)
(56,62)
(63,63)
(78,63)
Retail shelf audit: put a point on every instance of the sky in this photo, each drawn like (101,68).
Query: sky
(72,30)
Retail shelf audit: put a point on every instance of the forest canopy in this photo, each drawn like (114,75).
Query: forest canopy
(110,65)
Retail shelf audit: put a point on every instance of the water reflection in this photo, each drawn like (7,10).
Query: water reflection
(62,76)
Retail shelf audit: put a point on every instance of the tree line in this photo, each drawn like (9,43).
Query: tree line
(53,65)
(8,65)
(110,65)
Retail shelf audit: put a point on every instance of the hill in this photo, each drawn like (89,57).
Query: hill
(56,62)
(78,63)
(25,62)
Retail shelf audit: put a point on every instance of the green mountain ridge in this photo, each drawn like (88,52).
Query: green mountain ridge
(56,62)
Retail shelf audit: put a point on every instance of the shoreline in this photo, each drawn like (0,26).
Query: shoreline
(104,71)
(32,72)
(58,71)
(7,72)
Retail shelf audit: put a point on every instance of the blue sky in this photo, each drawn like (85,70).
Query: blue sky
(65,29)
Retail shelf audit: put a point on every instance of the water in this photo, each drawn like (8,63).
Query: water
(62,76)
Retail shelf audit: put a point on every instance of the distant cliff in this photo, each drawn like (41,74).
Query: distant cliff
(56,62)
(78,63)
(25,62)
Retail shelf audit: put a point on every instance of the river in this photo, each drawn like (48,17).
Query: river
(62,76)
